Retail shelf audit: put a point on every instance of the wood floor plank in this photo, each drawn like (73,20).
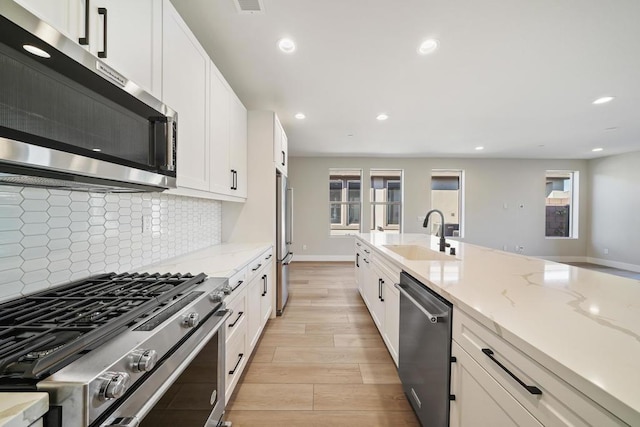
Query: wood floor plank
(331,355)
(272,397)
(341,328)
(343,397)
(296,373)
(316,317)
(379,373)
(295,340)
(322,418)
(276,326)
(359,317)
(263,354)
(358,340)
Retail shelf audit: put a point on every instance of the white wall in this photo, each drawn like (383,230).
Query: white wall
(489,184)
(615,210)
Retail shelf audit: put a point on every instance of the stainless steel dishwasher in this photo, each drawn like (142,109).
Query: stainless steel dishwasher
(425,351)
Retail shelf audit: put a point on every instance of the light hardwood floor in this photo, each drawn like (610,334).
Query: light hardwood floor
(323,362)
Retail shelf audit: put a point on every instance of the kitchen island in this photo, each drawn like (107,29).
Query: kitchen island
(579,327)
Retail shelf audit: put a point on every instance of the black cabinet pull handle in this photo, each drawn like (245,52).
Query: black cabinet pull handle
(530,388)
(256,267)
(269,257)
(233,371)
(365,260)
(231,325)
(283,158)
(103,11)
(240,282)
(264,284)
(367,251)
(84,41)
(381,283)
(233,179)
(357,259)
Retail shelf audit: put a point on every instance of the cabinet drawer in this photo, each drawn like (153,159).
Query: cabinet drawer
(236,358)
(255,267)
(558,404)
(239,307)
(237,281)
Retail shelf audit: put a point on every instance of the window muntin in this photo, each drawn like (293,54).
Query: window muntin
(386,200)
(345,201)
(561,204)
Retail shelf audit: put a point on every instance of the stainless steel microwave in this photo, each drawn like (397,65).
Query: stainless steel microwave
(67,119)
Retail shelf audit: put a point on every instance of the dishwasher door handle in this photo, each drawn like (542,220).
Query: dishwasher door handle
(433,318)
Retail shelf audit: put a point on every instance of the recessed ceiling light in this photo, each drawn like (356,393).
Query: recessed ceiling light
(479,148)
(597,149)
(612,128)
(349,134)
(286,45)
(300,116)
(603,100)
(427,46)
(382,117)
(96,150)
(36,51)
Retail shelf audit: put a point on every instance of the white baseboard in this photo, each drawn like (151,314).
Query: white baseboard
(614,264)
(565,258)
(323,258)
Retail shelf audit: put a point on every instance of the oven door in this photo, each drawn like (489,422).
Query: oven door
(186,388)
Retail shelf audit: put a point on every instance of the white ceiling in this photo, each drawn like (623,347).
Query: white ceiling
(515,76)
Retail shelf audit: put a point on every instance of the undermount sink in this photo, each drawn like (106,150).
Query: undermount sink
(416,252)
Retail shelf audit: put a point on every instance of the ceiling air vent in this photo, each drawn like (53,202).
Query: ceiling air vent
(249,6)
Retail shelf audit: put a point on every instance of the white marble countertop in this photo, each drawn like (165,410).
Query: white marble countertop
(22,409)
(215,261)
(582,325)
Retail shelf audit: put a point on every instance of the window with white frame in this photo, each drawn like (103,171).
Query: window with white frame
(345,201)
(447,197)
(386,200)
(561,204)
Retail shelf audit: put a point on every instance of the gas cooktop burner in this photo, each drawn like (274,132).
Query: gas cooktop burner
(43,332)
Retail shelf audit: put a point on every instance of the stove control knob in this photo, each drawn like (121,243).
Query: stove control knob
(191,320)
(143,360)
(227,289)
(216,296)
(114,385)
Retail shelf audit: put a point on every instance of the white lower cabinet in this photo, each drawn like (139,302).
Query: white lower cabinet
(489,369)
(250,314)
(376,280)
(480,400)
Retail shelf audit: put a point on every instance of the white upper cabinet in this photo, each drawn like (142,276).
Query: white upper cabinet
(127,35)
(222,178)
(238,142)
(280,147)
(228,124)
(185,85)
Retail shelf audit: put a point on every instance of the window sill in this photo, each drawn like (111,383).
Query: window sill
(560,238)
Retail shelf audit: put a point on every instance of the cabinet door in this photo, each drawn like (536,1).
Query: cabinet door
(66,16)
(134,40)
(266,305)
(238,145)
(480,397)
(391,330)
(185,67)
(284,153)
(254,295)
(376,303)
(277,142)
(221,176)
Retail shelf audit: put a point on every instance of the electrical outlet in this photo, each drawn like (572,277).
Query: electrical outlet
(504,247)
(519,249)
(606,251)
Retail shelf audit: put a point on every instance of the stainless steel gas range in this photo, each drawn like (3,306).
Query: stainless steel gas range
(108,348)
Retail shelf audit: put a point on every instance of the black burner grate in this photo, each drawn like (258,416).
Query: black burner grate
(47,330)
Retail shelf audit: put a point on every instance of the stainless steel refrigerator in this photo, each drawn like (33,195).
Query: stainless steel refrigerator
(284,239)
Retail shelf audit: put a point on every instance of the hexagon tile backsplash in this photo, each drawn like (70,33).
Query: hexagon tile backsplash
(50,237)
